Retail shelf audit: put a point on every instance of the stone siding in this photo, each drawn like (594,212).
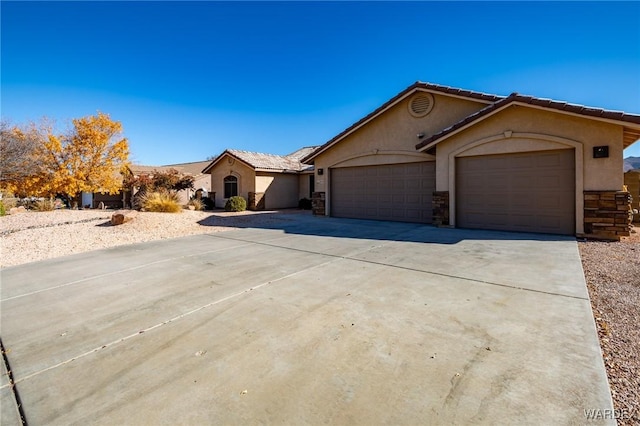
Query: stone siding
(632,181)
(256,201)
(318,203)
(607,214)
(441,208)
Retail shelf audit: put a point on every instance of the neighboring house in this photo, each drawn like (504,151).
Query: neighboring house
(92,200)
(201,181)
(632,181)
(436,154)
(192,169)
(266,181)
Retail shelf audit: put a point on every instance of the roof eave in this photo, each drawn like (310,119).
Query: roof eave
(265,170)
(433,143)
(516,102)
(226,152)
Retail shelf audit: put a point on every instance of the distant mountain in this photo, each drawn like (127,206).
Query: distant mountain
(631,163)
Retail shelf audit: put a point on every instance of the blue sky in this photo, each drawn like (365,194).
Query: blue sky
(189,79)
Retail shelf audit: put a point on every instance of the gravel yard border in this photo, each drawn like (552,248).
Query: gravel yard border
(33,236)
(612,272)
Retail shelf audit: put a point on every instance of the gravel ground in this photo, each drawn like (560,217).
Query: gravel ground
(612,271)
(32,236)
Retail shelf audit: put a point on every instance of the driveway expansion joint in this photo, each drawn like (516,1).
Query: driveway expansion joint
(133,268)
(171,320)
(12,384)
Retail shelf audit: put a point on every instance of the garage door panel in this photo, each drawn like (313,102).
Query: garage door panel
(413,185)
(399,192)
(413,199)
(529,192)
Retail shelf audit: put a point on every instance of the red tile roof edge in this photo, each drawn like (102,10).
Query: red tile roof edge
(531,100)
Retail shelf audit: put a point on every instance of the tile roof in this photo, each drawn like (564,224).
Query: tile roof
(139,168)
(259,160)
(530,100)
(418,85)
(302,152)
(193,168)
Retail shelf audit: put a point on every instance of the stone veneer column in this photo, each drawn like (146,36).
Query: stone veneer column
(441,208)
(256,201)
(318,203)
(607,214)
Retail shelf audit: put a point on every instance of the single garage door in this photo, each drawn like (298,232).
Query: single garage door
(397,192)
(527,192)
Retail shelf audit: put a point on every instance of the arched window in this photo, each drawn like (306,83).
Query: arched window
(230,186)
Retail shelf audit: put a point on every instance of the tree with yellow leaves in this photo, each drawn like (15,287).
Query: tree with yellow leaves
(87,159)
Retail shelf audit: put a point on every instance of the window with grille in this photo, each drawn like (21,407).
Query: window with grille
(230,186)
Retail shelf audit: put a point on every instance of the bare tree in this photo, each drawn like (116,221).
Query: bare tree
(18,151)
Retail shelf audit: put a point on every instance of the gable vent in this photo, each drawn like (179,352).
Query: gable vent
(421,105)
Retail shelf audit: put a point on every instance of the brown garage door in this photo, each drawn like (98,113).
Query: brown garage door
(397,192)
(527,192)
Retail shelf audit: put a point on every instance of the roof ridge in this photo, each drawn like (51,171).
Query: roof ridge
(188,162)
(457,91)
(255,152)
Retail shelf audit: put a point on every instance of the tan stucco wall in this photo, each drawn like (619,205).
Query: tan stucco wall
(245,175)
(524,129)
(280,189)
(391,137)
(303,186)
(202,181)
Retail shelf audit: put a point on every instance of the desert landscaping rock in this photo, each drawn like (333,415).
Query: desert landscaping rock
(123,216)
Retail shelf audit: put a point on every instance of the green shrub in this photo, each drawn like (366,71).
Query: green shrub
(163,202)
(2,210)
(236,204)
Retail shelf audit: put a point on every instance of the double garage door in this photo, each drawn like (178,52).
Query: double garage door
(396,192)
(527,192)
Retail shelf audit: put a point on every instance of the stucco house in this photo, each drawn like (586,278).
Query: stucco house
(266,181)
(453,157)
(201,181)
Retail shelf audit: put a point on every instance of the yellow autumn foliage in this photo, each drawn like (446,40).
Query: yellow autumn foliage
(89,158)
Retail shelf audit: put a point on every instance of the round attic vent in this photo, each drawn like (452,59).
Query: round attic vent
(421,105)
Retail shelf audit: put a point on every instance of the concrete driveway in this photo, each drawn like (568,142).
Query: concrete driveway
(307,321)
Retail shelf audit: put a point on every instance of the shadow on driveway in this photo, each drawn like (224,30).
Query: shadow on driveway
(299,222)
